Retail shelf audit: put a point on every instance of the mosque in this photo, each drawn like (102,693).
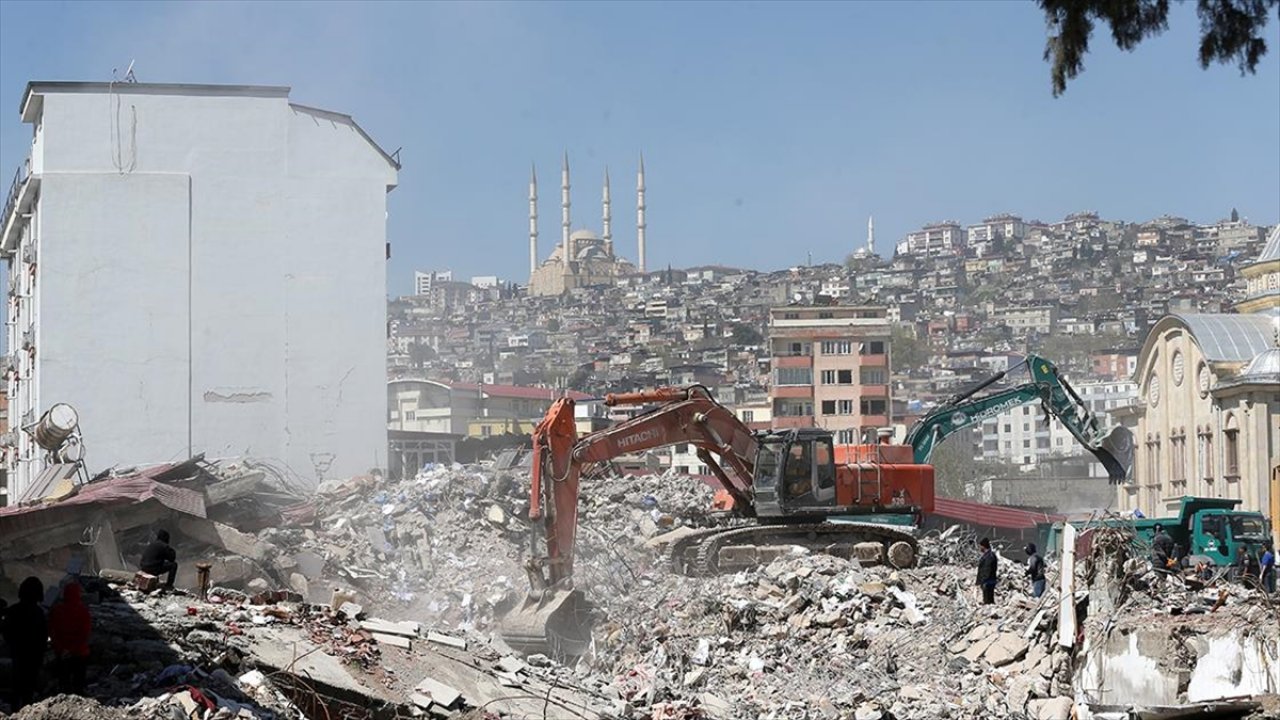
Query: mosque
(581,258)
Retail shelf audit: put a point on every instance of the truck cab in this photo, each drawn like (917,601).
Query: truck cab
(1216,535)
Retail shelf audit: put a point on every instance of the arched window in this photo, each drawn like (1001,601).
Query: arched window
(1231,446)
(1205,437)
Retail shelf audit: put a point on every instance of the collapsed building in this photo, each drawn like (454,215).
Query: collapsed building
(376,597)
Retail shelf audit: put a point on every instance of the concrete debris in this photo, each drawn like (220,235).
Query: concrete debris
(339,595)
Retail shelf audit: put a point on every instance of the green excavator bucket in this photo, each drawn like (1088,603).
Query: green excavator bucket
(1115,452)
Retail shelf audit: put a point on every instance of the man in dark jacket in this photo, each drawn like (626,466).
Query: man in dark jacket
(1161,549)
(27,635)
(159,558)
(1035,570)
(987,572)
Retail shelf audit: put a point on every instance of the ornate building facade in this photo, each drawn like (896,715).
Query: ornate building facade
(1208,418)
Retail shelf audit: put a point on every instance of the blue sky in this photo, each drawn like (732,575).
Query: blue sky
(770,131)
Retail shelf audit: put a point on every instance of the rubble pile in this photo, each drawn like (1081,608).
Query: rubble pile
(451,544)
(818,632)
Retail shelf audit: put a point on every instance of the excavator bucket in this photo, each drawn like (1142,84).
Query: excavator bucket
(554,622)
(1115,452)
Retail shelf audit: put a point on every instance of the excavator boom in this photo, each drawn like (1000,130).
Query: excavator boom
(1113,447)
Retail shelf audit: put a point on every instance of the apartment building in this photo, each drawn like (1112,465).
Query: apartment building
(944,238)
(201,269)
(1006,228)
(831,367)
(1022,321)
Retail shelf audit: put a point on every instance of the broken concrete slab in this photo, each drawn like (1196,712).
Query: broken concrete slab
(440,694)
(405,628)
(1058,708)
(449,640)
(309,564)
(1006,648)
(393,640)
(224,536)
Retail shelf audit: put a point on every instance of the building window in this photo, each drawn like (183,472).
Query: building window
(485,431)
(1026,444)
(873,406)
(1205,438)
(1178,446)
(874,347)
(1008,427)
(748,416)
(824,315)
(844,377)
(795,349)
(828,407)
(410,415)
(1231,447)
(845,437)
(873,376)
(828,377)
(794,376)
(837,347)
(846,407)
(790,316)
(682,448)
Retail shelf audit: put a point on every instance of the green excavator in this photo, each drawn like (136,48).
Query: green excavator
(1113,446)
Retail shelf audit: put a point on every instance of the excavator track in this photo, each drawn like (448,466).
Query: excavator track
(707,545)
(676,556)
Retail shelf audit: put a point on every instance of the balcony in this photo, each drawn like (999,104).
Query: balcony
(792,391)
(875,391)
(879,359)
(792,361)
(876,421)
(787,422)
(22,193)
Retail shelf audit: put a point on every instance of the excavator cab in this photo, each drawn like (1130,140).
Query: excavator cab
(794,469)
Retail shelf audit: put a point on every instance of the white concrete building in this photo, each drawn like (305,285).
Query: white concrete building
(937,239)
(198,268)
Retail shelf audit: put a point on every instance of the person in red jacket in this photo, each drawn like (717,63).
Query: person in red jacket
(69,628)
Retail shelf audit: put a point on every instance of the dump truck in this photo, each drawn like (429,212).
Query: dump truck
(1208,530)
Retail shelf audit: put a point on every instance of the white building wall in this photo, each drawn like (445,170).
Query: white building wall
(225,292)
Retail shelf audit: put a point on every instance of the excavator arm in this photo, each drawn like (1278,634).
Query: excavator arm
(686,415)
(552,616)
(1113,448)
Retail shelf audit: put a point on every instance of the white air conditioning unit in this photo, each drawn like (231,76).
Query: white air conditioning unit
(29,254)
(29,338)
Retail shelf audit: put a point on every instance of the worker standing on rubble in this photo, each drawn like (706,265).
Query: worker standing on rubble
(987,572)
(1035,570)
(159,558)
(1269,569)
(69,627)
(1161,549)
(27,635)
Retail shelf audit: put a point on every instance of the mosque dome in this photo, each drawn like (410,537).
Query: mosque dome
(1264,366)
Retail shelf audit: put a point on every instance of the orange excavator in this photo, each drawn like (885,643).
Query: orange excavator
(785,486)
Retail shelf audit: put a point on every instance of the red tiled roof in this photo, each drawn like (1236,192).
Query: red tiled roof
(518,392)
(981,514)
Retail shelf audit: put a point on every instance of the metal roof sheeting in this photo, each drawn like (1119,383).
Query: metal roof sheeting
(996,516)
(1271,252)
(1230,338)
